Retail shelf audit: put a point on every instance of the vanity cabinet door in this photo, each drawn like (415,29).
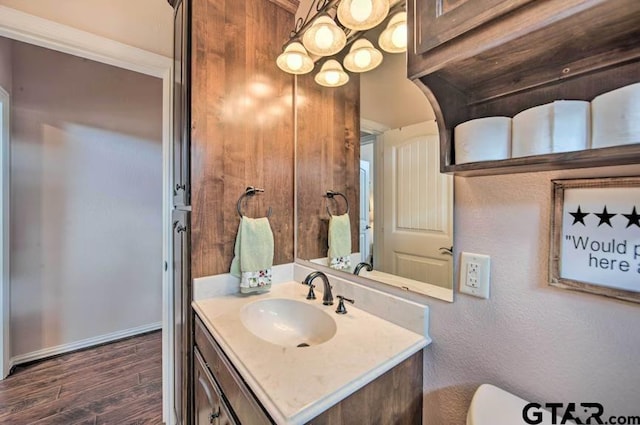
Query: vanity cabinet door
(438,21)
(209,407)
(240,398)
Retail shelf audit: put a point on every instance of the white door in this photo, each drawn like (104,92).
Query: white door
(418,205)
(365,248)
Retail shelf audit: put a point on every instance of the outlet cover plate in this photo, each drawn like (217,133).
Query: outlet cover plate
(474,274)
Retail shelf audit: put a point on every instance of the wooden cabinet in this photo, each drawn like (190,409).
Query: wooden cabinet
(438,21)
(181,217)
(181,135)
(181,314)
(209,405)
(242,401)
(393,398)
(513,55)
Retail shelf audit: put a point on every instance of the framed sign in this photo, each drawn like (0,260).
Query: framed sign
(595,236)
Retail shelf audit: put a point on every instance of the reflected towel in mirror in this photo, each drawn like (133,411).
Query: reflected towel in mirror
(340,242)
(253,254)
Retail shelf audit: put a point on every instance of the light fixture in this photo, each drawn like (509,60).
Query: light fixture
(295,59)
(330,25)
(394,38)
(331,74)
(362,57)
(362,15)
(324,37)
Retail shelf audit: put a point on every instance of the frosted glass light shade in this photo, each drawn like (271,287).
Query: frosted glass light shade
(362,57)
(331,74)
(362,15)
(295,59)
(394,38)
(324,37)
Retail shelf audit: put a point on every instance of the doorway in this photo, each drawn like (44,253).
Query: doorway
(86,192)
(41,32)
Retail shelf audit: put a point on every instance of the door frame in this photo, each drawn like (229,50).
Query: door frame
(363,205)
(5,294)
(31,29)
(378,130)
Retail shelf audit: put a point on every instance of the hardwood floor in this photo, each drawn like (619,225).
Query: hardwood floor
(118,383)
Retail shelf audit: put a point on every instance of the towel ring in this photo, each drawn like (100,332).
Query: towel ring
(250,191)
(330,195)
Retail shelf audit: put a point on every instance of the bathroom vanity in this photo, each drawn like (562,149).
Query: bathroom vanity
(234,128)
(351,368)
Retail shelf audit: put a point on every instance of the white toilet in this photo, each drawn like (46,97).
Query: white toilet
(492,406)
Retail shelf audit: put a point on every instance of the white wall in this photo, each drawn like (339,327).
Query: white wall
(388,97)
(147,24)
(366,152)
(5,64)
(540,342)
(86,199)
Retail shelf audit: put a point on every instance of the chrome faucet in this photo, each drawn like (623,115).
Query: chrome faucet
(362,265)
(327,296)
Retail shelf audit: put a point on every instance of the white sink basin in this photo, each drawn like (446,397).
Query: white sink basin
(287,322)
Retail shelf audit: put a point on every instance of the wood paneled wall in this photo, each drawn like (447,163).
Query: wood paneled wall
(241,129)
(327,158)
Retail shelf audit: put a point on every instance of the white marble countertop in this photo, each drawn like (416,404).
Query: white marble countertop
(297,384)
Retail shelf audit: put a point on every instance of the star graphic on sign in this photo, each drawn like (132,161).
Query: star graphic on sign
(634,218)
(578,216)
(605,217)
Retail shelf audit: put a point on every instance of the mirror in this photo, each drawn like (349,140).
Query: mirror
(376,142)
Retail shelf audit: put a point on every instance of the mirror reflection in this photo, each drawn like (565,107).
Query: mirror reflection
(385,166)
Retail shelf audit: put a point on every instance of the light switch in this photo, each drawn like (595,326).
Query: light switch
(474,274)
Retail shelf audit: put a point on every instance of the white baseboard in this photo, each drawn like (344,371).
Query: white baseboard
(89,342)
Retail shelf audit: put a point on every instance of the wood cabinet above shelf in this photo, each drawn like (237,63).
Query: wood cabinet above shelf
(519,54)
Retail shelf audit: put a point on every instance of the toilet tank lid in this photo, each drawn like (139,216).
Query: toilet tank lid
(494,406)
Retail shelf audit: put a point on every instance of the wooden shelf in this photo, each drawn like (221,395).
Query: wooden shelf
(615,155)
(527,53)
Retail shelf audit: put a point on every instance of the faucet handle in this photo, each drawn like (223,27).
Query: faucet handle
(311,295)
(341,308)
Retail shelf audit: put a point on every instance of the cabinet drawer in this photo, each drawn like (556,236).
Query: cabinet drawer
(242,401)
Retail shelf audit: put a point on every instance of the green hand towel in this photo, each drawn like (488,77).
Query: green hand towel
(340,242)
(253,254)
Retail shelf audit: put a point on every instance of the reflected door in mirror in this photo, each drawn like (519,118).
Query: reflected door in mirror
(417,208)
(365,240)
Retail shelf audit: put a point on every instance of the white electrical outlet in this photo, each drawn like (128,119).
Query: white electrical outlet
(474,274)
